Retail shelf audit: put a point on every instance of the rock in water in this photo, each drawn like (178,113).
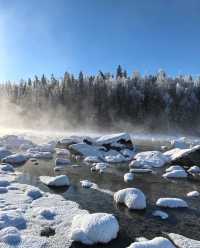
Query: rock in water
(58,181)
(95,228)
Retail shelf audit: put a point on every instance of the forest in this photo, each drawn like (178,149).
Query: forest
(110,102)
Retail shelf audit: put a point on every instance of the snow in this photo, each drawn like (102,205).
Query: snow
(113,139)
(86,150)
(151,159)
(176,174)
(128,177)
(119,158)
(34,193)
(42,148)
(101,166)
(171,203)
(10,235)
(57,181)
(194,169)
(158,213)
(158,242)
(128,154)
(12,218)
(15,159)
(140,170)
(133,198)
(174,167)
(180,143)
(39,155)
(14,142)
(94,228)
(86,184)
(4,153)
(6,167)
(193,194)
(62,152)
(62,161)
(183,242)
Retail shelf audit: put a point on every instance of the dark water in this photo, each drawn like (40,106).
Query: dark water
(132,223)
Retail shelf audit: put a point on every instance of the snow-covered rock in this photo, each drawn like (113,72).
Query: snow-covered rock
(171,203)
(86,150)
(86,184)
(94,228)
(193,194)
(194,170)
(4,183)
(158,213)
(128,177)
(119,158)
(174,167)
(101,166)
(176,174)
(92,159)
(57,181)
(62,152)
(62,161)
(42,148)
(14,142)
(3,190)
(12,218)
(128,154)
(7,167)
(180,143)
(140,170)
(15,159)
(158,242)
(133,198)
(10,236)
(34,193)
(4,153)
(183,242)
(39,155)
(135,164)
(151,159)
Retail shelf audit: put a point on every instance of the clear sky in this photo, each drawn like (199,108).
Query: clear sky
(52,36)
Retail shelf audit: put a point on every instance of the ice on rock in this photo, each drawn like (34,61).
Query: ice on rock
(158,213)
(12,218)
(34,193)
(194,170)
(133,198)
(158,242)
(151,159)
(4,153)
(7,167)
(94,228)
(174,167)
(15,159)
(57,181)
(62,161)
(128,177)
(92,159)
(10,236)
(193,194)
(176,174)
(183,242)
(171,203)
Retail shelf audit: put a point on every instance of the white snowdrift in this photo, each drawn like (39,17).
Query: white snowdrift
(171,203)
(57,181)
(158,242)
(94,228)
(133,198)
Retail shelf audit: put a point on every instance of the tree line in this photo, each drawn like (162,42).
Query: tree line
(106,101)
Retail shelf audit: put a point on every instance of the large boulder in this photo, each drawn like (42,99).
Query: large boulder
(185,157)
(95,228)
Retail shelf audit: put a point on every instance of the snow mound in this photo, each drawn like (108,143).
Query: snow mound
(171,203)
(158,242)
(34,193)
(4,153)
(151,159)
(174,167)
(12,218)
(158,213)
(57,181)
(62,161)
(194,170)
(94,228)
(193,194)
(133,198)
(128,177)
(15,159)
(176,174)
(7,167)
(183,242)
(10,235)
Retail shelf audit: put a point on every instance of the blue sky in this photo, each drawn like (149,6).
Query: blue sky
(54,36)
